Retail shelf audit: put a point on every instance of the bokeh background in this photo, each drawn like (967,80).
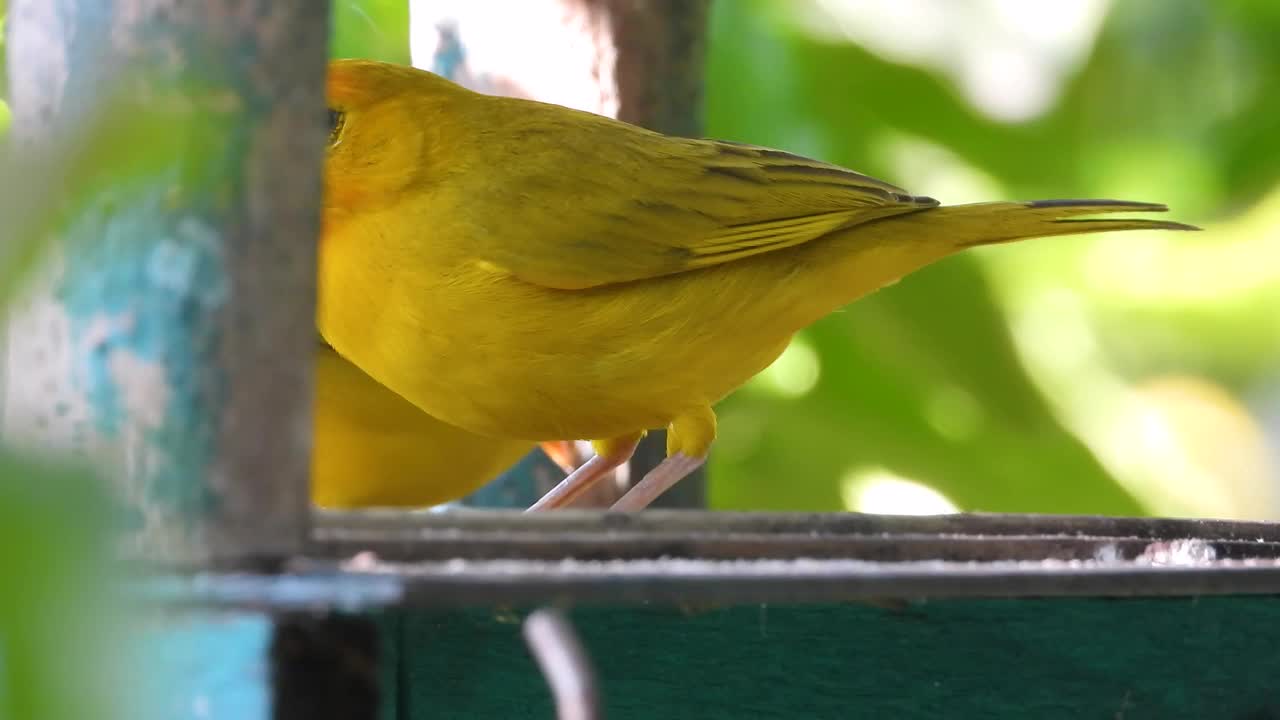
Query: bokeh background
(1100,374)
(1112,374)
(1125,374)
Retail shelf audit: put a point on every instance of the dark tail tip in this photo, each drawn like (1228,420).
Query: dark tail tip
(1127,204)
(922,200)
(1133,224)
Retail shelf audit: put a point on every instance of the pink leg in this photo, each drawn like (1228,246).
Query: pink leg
(581,480)
(659,480)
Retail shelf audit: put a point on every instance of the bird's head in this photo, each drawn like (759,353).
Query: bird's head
(386,125)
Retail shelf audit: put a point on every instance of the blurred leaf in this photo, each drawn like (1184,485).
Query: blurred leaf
(117,144)
(55,614)
(373,29)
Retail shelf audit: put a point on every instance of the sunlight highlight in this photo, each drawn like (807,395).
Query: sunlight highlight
(575,74)
(794,373)
(935,170)
(1010,58)
(876,490)
(1054,329)
(1230,260)
(954,412)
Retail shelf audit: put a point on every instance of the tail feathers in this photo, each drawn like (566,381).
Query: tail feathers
(1003,222)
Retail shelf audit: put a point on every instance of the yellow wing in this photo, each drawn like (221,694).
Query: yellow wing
(636,204)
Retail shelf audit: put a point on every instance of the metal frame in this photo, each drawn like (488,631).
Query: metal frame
(395,559)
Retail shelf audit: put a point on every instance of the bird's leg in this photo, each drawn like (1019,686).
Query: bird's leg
(657,481)
(609,455)
(689,438)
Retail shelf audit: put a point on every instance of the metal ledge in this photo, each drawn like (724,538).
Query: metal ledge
(698,582)
(329,521)
(490,535)
(382,559)
(379,559)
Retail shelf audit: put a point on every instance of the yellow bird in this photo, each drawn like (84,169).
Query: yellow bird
(524,270)
(372,448)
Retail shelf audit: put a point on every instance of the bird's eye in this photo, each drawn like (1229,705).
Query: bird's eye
(337,119)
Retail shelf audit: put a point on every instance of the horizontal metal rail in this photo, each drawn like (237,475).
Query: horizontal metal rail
(487,535)
(394,559)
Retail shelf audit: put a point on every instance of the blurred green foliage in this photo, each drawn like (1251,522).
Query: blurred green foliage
(1171,102)
(56,616)
(374,29)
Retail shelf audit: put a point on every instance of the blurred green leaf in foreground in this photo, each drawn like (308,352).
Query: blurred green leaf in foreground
(56,605)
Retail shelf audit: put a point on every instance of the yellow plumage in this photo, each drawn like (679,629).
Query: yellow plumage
(372,448)
(524,270)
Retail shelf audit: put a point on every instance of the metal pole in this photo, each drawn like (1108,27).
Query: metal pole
(170,340)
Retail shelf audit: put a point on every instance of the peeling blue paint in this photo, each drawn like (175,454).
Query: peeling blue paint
(190,265)
(146,282)
(204,665)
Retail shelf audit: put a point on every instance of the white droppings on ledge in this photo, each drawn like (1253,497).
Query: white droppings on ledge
(1108,553)
(1186,552)
(701,568)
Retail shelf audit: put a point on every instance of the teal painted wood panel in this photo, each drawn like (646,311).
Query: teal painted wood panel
(1043,658)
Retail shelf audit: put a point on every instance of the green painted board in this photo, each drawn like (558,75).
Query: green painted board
(1215,658)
